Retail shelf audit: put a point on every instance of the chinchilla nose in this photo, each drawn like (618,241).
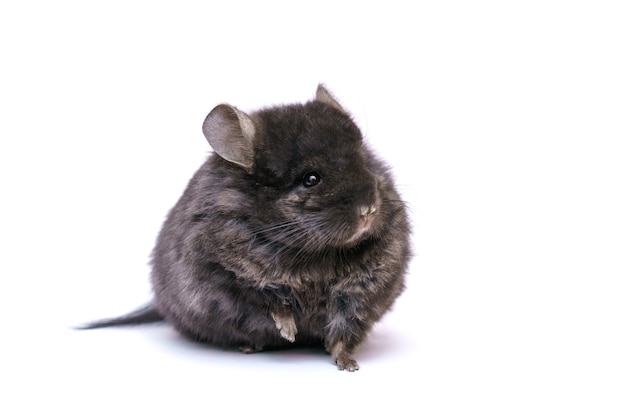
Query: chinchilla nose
(371,204)
(367,210)
(366,194)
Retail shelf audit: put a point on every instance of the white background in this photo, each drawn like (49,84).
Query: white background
(504,122)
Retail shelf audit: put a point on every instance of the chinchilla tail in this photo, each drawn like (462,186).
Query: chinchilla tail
(144,315)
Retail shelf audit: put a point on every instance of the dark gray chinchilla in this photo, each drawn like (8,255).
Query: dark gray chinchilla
(291,233)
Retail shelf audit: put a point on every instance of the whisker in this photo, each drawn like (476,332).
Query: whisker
(294,235)
(272,227)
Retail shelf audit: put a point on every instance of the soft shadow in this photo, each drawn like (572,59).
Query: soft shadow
(383,343)
(173,343)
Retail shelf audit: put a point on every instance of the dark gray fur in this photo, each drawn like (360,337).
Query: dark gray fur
(250,257)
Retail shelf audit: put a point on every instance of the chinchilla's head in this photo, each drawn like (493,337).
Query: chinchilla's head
(303,172)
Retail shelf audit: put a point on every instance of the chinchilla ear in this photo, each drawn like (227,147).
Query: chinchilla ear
(230,133)
(324,96)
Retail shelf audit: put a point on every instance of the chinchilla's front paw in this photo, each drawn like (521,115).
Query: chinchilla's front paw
(286,325)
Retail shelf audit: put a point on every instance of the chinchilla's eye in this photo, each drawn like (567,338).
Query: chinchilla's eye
(311,178)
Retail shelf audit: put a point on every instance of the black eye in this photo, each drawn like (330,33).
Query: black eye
(311,179)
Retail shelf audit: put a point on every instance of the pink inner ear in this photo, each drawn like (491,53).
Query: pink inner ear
(230,133)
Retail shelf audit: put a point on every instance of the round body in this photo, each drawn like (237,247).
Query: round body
(290,233)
